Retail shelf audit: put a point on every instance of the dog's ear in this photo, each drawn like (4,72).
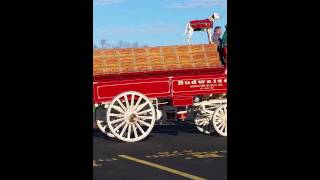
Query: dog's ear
(212,16)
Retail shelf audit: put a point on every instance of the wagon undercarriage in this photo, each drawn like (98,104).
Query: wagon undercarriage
(131,116)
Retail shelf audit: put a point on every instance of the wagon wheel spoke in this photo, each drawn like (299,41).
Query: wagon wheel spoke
(218,122)
(117,120)
(119,109)
(201,123)
(123,107)
(221,124)
(132,101)
(129,131)
(145,117)
(221,127)
(124,129)
(224,128)
(144,123)
(140,128)
(141,106)
(134,130)
(145,111)
(116,115)
(119,126)
(138,102)
(127,102)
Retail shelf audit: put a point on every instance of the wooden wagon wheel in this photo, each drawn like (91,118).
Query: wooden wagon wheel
(131,116)
(203,118)
(203,124)
(101,122)
(219,120)
(102,125)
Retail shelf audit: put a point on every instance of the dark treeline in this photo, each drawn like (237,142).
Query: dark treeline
(120,44)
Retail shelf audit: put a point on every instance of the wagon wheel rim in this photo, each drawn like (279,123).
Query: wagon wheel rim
(203,124)
(101,122)
(219,120)
(103,127)
(131,116)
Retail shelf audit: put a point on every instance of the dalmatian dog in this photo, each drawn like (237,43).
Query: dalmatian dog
(202,25)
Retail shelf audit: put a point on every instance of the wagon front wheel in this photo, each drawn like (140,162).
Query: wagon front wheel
(131,116)
(203,124)
(219,120)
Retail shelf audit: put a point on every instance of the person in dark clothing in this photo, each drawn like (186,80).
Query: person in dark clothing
(224,46)
(224,38)
(218,41)
(216,38)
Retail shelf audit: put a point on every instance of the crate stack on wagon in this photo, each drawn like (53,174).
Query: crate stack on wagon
(149,59)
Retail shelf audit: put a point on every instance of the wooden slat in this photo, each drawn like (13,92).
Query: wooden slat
(110,61)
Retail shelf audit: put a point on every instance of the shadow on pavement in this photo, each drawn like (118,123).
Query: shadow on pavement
(161,129)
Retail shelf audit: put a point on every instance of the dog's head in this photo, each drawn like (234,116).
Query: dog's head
(215,16)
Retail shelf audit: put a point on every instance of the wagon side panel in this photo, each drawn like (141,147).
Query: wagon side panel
(184,88)
(152,88)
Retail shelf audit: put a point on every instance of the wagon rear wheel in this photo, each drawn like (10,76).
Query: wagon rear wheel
(203,124)
(131,116)
(219,120)
(100,116)
(102,125)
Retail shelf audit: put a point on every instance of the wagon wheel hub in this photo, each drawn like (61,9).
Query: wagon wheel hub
(132,118)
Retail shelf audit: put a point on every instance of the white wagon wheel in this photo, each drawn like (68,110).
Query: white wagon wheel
(102,125)
(101,122)
(219,120)
(203,124)
(131,116)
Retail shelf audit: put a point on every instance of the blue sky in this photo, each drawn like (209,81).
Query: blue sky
(152,22)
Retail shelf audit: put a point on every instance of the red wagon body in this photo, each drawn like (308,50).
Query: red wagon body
(134,99)
(180,86)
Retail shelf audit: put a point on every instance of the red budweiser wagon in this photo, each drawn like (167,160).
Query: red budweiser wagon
(142,87)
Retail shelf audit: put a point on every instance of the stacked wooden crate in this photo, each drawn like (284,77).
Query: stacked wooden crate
(163,58)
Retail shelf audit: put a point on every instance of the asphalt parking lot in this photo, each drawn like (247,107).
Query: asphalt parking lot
(169,152)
